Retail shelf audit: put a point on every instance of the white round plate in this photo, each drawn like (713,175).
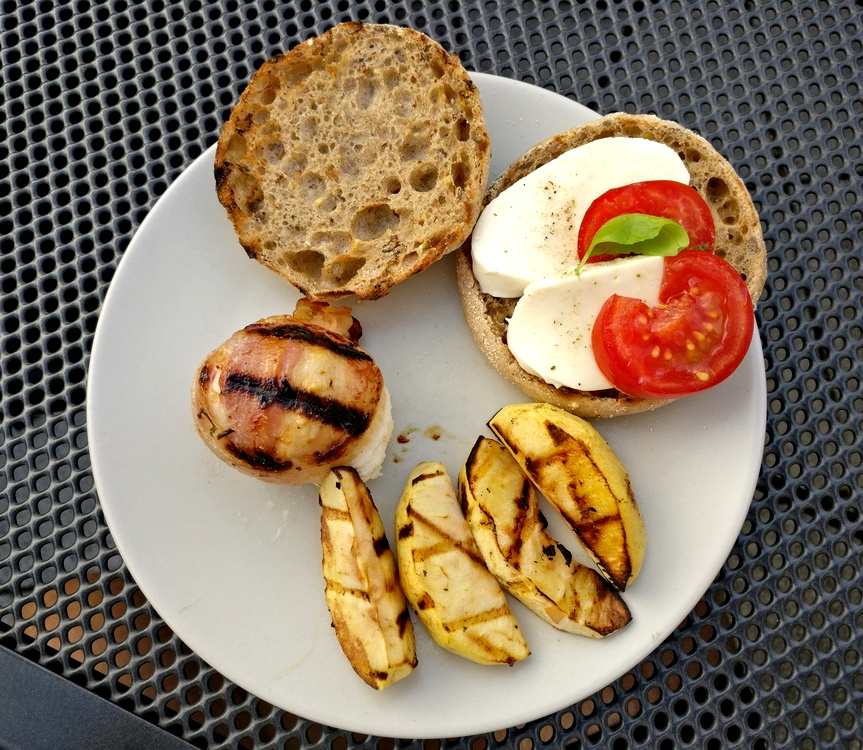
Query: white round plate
(234,565)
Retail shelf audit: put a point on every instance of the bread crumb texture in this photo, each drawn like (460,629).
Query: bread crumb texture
(355,160)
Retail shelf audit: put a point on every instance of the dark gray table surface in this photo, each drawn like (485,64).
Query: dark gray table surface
(102,106)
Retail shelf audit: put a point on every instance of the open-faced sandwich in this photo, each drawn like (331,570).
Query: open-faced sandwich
(615,267)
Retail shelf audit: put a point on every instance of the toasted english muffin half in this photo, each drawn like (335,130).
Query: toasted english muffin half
(355,160)
(738,240)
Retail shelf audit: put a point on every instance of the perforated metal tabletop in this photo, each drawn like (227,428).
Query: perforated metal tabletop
(103,105)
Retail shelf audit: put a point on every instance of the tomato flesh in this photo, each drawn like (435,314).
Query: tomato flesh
(664,198)
(695,339)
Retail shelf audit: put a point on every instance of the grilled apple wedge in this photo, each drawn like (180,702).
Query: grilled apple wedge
(501,507)
(572,465)
(369,610)
(444,577)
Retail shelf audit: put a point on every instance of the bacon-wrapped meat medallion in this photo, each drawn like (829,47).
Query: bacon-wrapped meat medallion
(289,397)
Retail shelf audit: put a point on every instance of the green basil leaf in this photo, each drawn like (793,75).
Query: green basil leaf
(641,234)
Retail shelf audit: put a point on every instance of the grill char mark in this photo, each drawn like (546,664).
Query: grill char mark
(381,546)
(329,411)
(258,460)
(306,334)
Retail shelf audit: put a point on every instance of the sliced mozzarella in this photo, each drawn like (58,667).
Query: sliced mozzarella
(530,230)
(550,329)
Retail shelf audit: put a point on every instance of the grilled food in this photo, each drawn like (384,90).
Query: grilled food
(289,397)
(369,611)
(579,474)
(501,507)
(444,576)
(355,160)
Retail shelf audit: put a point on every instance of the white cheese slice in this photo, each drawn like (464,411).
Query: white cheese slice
(530,230)
(550,329)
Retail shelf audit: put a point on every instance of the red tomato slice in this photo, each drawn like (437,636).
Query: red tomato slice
(664,198)
(694,340)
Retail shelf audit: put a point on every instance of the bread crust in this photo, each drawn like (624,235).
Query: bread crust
(355,160)
(738,239)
